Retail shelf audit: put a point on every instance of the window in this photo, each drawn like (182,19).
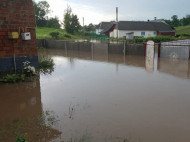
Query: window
(154,33)
(142,33)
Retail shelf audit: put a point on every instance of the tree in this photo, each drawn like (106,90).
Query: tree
(41,11)
(175,21)
(169,22)
(53,23)
(90,28)
(186,20)
(71,22)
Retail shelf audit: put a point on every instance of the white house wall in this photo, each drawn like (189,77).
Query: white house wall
(98,31)
(122,33)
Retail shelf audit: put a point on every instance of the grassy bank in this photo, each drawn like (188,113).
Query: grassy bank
(183,29)
(44,33)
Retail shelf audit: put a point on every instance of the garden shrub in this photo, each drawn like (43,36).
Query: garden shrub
(54,35)
(12,78)
(67,36)
(46,62)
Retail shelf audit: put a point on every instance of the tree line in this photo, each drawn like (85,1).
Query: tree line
(71,23)
(176,22)
(70,20)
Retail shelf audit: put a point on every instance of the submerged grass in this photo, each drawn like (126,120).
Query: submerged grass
(46,66)
(12,78)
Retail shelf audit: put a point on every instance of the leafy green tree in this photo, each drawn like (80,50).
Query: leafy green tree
(169,22)
(41,15)
(41,11)
(71,21)
(90,28)
(53,23)
(186,20)
(175,21)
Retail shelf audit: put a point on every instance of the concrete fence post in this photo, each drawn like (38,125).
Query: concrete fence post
(124,49)
(150,49)
(149,61)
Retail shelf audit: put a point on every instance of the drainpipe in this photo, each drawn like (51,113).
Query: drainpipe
(14,58)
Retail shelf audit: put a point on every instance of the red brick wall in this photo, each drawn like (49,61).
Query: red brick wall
(15,16)
(166,33)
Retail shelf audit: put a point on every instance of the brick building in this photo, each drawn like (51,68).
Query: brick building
(17,19)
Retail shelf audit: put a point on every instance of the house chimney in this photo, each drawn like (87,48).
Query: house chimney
(155,18)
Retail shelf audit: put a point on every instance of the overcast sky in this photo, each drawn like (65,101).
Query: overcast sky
(95,11)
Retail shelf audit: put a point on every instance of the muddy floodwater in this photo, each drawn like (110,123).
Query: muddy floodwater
(100,97)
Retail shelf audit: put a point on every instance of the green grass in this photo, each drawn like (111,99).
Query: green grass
(12,78)
(44,33)
(183,29)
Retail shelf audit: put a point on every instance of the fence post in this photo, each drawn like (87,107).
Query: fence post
(66,47)
(145,49)
(189,52)
(159,45)
(92,51)
(44,43)
(124,50)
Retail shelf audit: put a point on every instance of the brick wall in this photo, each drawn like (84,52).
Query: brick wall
(17,16)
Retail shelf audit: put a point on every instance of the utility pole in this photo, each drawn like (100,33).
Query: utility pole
(117,22)
(83,22)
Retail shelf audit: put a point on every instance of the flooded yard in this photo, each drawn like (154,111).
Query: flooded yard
(100,97)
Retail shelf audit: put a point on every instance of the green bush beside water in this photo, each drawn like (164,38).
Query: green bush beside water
(46,62)
(28,72)
(13,78)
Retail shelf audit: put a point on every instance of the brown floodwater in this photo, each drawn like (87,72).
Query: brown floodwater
(100,97)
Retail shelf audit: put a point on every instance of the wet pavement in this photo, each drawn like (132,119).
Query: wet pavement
(100,97)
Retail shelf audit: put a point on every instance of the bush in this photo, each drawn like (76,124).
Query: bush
(12,78)
(67,36)
(21,138)
(54,35)
(46,62)
(28,70)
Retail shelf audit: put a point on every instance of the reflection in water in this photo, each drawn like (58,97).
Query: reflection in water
(149,64)
(100,97)
(21,113)
(178,68)
(113,98)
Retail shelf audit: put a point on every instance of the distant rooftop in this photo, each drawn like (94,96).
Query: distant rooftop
(142,25)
